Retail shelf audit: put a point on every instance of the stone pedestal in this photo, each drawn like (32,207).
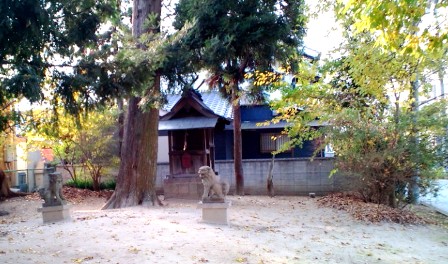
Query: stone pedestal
(215,213)
(183,187)
(55,213)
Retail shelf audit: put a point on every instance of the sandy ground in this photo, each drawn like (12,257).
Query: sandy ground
(260,230)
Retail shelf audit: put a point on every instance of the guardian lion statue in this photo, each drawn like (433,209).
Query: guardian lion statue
(53,195)
(215,190)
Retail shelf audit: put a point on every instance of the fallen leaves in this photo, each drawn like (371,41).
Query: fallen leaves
(133,250)
(81,260)
(370,212)
(241,260)
(203,260)
(75,195)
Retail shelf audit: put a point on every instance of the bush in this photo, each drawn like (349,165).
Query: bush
(108,185)
(394,159)
(88,184)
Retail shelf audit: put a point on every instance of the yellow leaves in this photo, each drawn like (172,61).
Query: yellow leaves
(241,260)
(264,78)
(266,123)
(284,69)
(81,260)
(406,27)
(133,250)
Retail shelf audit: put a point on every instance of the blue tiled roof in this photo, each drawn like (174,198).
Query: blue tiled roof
(211,99)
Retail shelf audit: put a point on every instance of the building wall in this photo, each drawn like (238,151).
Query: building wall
(251,146)
(256,113)
(291,176)
(162,154)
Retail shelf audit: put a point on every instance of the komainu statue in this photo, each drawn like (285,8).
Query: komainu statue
(215,190)
(53,195)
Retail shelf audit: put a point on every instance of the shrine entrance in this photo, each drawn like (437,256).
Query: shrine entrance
(189,150)
(190,126)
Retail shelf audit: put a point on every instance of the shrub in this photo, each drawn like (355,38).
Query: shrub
(88,184)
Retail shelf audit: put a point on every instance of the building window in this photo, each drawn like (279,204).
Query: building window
(329,152)
(272,141)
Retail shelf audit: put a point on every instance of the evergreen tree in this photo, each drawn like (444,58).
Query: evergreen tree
(232,38)
(45,44)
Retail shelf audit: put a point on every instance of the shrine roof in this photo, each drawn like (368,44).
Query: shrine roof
(211,99)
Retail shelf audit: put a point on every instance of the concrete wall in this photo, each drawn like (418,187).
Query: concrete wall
(291,176)
(162,154)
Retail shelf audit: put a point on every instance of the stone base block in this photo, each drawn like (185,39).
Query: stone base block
(215,213)
(183,188)
(55,213)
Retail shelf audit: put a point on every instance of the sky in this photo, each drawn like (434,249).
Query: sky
(323,34)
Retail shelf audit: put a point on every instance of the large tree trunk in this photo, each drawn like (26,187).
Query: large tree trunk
(138,168)
(120,103)
(4,185)
(5,190)
(237,141)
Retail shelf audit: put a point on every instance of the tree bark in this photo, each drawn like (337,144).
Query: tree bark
(237,141)
(5,191)
(120,104)
(4,185)
(414,189)
(138,168)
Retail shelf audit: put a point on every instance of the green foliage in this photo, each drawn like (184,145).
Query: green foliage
(92,142)
(385,155)
(43,42)
(230,38)
(401,41)
(381,145)
(309,101)
(88,184)
(416,27)
(108,185)
(367,99)
(140,60)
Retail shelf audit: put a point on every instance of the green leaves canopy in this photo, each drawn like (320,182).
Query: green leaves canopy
(42,43)
(229,37)
(368,97)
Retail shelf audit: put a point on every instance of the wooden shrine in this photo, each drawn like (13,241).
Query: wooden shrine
(190,125)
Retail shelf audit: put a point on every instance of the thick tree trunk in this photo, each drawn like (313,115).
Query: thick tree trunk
(5,191)
(4,185)
(138,168)
(237,142)
(120,124)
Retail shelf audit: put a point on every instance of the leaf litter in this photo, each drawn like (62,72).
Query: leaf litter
(371,212)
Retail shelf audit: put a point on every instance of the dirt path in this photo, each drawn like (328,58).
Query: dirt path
(261,230)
